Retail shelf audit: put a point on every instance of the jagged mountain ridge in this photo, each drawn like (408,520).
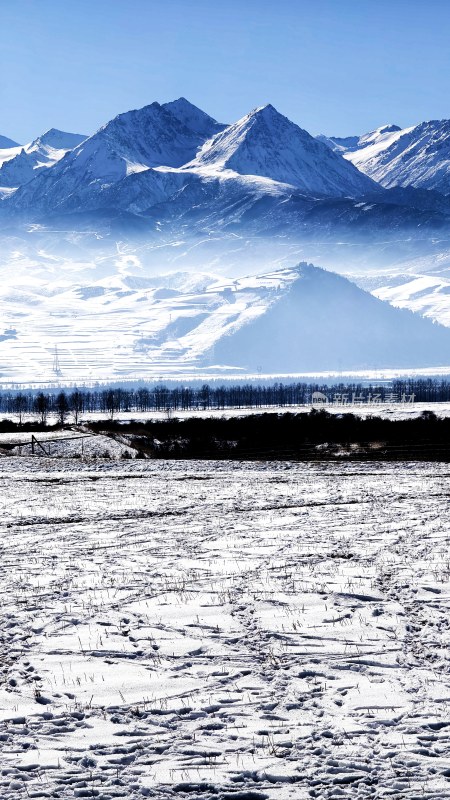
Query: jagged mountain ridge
(43,152)
(269,145)
(133,142)
(418,156)
(381,136)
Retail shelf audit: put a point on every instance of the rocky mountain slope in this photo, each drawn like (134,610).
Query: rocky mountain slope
(418,156)
(267,144)
(21,164)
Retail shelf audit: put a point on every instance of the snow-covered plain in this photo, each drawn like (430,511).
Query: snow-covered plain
(227,631)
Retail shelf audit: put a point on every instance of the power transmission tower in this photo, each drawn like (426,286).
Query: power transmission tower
(56,366)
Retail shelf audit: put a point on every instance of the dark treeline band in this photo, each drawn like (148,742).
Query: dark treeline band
(187,398)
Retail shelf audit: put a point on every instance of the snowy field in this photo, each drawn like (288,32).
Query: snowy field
(224,631)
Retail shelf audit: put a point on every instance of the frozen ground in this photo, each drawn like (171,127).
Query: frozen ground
(224,631)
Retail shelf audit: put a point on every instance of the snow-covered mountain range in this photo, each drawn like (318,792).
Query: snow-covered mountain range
(165,161)
(418,156)
(167,187)
(147,157)
(19,165)
(169,172)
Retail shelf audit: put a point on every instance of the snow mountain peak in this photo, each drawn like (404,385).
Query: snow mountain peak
(389,128)
(193,117)
(267,144)
(6,143)
(267,111)
(59,140)
(418,156)
(22,164)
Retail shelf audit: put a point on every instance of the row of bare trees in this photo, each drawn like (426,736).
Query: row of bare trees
(72,404)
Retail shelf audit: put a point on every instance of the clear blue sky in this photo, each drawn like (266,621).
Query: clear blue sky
(333,66)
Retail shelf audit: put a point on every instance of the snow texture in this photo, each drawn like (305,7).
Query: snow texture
(224,631)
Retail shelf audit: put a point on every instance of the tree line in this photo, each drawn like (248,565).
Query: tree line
(315,435)
(65,404)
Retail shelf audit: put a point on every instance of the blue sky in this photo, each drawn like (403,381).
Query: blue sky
(333,66)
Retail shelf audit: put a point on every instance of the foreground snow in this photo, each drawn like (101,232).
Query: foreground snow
(224,631)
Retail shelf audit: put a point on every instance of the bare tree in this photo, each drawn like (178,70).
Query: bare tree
(76,403)
(62,407)
(41,406)
(20,405)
